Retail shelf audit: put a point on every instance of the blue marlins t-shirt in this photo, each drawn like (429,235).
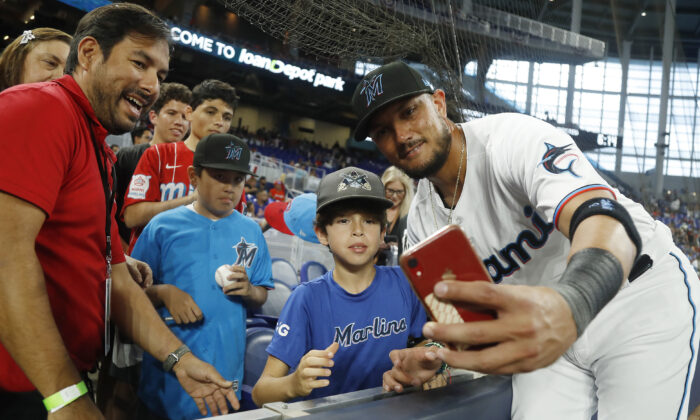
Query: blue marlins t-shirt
(184,249)
(366,325)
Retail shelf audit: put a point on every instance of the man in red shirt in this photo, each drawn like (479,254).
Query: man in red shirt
(55,196)
(160,181)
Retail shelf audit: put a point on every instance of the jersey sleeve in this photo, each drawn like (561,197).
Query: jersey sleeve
(145,182)
(260,274)
(292,339)
(35,157)
(545,163)
(148,249)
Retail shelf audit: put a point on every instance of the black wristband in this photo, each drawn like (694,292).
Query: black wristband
(592,278)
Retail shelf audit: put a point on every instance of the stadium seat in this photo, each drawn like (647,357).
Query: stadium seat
(284,271)
(311,270)
(276,299)
(257,340)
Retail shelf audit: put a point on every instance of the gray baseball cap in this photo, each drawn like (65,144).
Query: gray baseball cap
(382,86)
(348,183)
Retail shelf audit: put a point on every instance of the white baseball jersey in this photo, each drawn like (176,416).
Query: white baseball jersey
(637,357)
(520,173)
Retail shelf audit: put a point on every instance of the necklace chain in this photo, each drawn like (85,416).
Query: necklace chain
(454,195)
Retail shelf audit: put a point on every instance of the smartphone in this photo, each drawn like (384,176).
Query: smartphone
(446,251)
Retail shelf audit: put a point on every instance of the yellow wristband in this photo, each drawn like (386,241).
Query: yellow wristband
(64,397)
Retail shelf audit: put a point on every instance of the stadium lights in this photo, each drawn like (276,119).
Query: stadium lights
(31,17)
(6,37)
(644,13)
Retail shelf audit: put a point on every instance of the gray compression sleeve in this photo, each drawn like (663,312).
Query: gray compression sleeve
(591,279)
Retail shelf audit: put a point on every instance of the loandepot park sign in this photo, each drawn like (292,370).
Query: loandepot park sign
(245,57)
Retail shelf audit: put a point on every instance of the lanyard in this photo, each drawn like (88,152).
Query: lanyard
(102,157)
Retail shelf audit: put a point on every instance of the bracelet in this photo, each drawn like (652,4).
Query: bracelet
(444,365)
(64,397)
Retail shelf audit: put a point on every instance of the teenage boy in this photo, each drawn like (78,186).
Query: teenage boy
(350,318)
(161,181)
(184,247)
(169,118)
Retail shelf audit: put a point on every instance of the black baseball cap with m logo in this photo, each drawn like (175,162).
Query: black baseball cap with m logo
(382,86)
(223,151)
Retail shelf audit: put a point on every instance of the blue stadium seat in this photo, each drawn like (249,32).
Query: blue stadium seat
(311,270)
(276,299)
(257,340)
(284,271)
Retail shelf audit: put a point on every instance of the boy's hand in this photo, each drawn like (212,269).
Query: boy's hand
(181,305)
(412,366)
(241,284)
(312,365)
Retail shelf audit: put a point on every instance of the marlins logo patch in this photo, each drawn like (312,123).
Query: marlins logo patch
(246,253)
(372,88)
(354,180)
(233,152)
(554,159)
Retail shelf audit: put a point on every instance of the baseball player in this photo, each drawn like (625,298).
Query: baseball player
(595,303)
(184,247)
(160,181)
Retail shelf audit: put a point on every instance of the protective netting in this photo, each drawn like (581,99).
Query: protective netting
(442,34)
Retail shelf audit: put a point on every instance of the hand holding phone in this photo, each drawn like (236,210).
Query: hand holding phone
(446,253)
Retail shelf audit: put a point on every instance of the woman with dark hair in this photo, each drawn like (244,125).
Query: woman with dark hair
(38,55)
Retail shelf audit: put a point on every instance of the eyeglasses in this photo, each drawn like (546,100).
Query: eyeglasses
(389,192)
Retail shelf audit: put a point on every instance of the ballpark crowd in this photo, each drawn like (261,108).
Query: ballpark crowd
(144,263)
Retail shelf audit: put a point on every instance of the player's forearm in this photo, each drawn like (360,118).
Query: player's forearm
(27,328)
(270,389)
(257,297)
(137,318)
(605,233)
(139,214)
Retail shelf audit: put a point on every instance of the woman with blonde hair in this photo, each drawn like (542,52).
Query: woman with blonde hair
(38,55)
(399,188)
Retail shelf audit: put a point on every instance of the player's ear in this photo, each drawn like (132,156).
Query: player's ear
(188,113)
(438,100)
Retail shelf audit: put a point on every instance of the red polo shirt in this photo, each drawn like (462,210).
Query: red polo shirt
(48,159)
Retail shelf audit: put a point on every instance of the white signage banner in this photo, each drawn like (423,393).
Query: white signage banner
(248,58)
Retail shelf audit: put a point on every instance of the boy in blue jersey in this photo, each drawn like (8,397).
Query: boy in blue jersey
(184,247)
(335,333)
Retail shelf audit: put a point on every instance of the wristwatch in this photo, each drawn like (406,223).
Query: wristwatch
(174,357)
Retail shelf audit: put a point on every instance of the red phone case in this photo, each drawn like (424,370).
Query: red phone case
(448,249)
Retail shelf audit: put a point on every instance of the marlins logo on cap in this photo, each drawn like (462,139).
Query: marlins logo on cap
(372,88)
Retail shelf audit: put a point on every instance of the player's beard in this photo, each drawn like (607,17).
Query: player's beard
(438,158)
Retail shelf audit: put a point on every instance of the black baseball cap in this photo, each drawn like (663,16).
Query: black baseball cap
(383,85)
(223,151)
(348,183)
